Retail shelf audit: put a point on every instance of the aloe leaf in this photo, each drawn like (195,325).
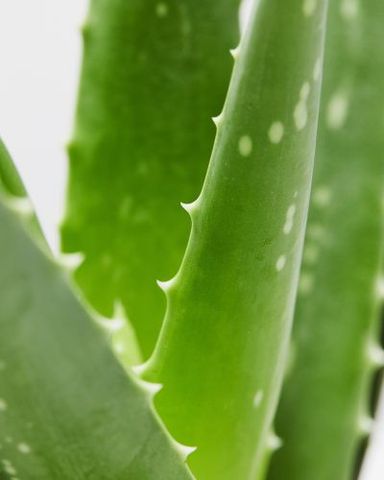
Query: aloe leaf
(68,410)
(154,73)
(222,349)
(9,177)
(324,411)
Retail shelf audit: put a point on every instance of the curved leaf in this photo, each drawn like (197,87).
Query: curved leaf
(154,73)
(324,414)
(222,350)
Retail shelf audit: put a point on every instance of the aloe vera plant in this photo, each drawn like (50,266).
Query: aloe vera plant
(154,74)
(211,350)
(325,404)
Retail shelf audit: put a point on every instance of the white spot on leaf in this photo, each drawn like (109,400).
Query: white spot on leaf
(300,115)
(24,448)
(289,219)
(276,132)
(309,7)
(280,264)
(9,468)
(306,283)
(245,145)
(305,91)
(321,196)
(311,254)
(258,398)
(316,231)
(161,10)
(380,287)
(349,9)
(337,110)
(317,70)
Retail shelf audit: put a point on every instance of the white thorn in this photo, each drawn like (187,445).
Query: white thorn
(114,324)
(71,261)
(380,287)
(166,286)
(258,398)
(185,450)
(274,442)
(218,119)
(117,322)
(139,369)
(235,52)
(149,387)
(376,355)
(365,425)
(118,311)
(21,205)
(190,207)
(110,325)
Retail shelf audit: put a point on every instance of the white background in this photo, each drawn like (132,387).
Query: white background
(40,49)
(40,53)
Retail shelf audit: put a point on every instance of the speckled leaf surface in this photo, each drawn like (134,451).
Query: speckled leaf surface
(154,73)
(325,405)
(222,349)
(68,411)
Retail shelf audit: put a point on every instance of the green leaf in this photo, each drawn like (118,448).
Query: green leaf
(325,406)
(222,349)
(9,178)
(67,408)
(154,73)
